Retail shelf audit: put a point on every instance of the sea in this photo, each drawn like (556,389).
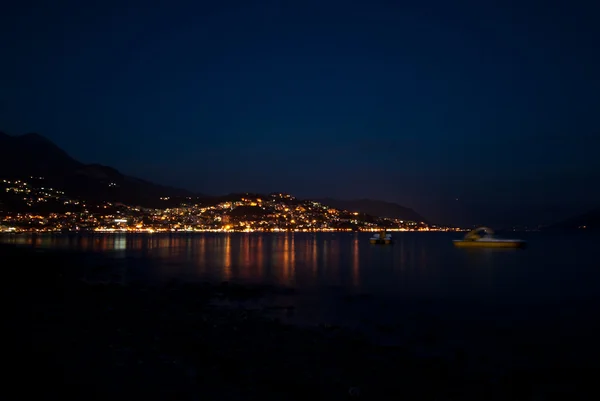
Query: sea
(512,306)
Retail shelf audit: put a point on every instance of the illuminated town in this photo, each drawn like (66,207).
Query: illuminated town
(29,206)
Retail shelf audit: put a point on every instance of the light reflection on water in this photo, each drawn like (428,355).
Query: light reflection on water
(418,265)
(342,279)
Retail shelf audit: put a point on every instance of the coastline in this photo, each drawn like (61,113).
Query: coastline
(110,340)
(224,231)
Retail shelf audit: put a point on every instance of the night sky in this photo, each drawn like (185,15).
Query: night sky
(469,112)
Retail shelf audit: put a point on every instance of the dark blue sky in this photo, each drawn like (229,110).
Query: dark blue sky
(491,102)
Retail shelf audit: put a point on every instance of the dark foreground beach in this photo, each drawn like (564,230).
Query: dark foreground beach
(79,340)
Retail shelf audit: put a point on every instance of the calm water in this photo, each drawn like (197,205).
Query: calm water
(417,266)
(552,286)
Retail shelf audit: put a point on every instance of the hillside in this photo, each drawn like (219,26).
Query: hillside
(34,155)
(374,208)
(589,221)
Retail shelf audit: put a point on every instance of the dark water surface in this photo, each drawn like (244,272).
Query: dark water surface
(419,266)
(547,293)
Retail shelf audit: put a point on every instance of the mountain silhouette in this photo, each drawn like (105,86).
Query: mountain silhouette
(589,221)
(374,208)
(33,155)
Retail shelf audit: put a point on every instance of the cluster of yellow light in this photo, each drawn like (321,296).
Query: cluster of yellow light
(139,228)
(127,230)
(298,218)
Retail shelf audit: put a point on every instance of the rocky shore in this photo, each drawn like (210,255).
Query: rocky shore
(79,340)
